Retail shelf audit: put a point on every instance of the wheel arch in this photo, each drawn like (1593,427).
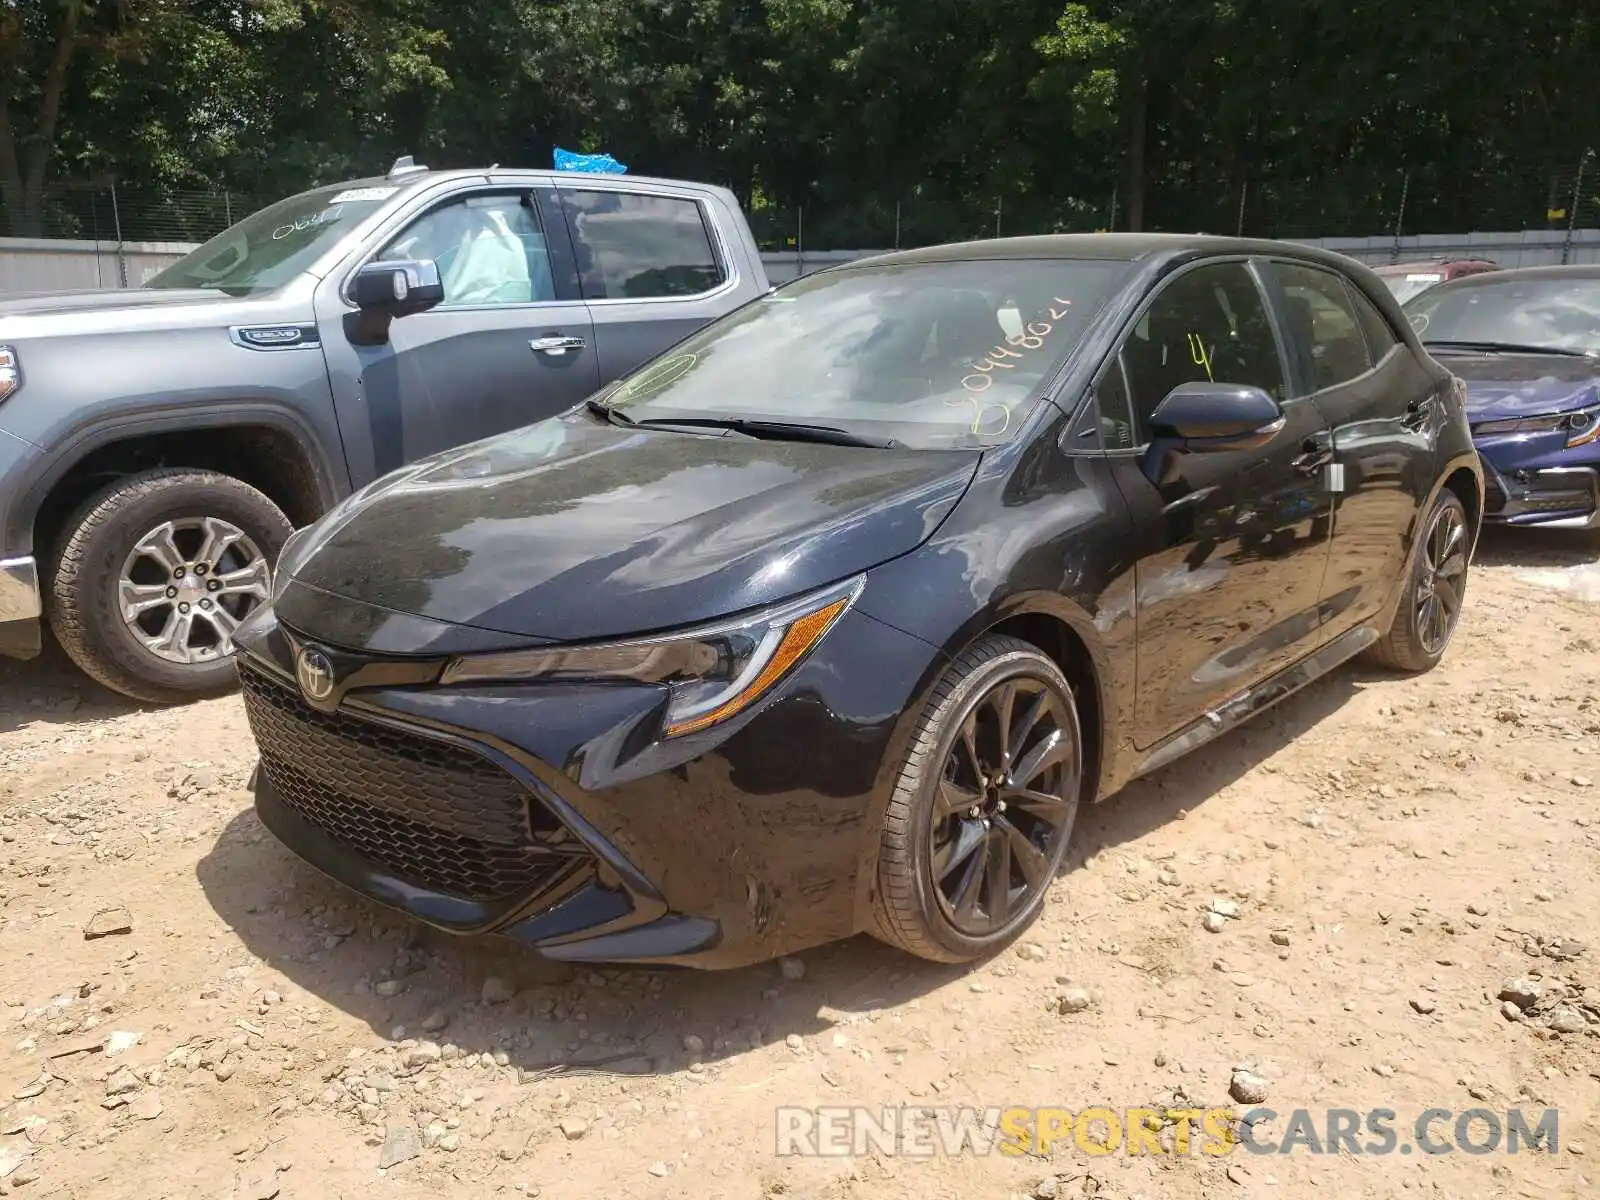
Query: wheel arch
(1064,633)
(266,446)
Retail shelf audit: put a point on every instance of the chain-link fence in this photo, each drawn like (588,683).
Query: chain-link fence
(113,212)
(1347,202)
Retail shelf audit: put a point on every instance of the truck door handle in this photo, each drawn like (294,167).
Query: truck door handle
(1417,413)
(1318,453)
(555,344)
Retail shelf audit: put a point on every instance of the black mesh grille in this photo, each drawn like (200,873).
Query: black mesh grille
(434,814)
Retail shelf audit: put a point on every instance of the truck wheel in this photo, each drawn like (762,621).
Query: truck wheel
(153,574)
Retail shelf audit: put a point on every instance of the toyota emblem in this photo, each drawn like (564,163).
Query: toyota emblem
(314,670)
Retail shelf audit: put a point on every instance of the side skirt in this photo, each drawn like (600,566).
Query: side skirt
(1248,703)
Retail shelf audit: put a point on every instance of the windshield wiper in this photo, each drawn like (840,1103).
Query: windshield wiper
(784,431)
(608,414)
(1507,348)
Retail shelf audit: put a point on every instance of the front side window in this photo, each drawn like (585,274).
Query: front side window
(270,247)
(1323,325)
(490,249)
(634,247)
(1556,313)
(939,354)
(1208,324)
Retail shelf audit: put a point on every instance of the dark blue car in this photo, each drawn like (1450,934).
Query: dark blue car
(1527,344)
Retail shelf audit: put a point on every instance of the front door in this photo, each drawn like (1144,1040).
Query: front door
(1232,544)
(503,350)
(1375,398)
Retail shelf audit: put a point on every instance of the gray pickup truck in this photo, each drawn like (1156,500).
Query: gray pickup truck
(158,444)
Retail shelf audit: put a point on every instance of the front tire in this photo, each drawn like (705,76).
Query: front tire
(1434,588)
(983,811)
(153,573)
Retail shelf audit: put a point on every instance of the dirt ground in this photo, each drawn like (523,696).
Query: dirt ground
(1334,899)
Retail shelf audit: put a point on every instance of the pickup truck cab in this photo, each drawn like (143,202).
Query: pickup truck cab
(158,444)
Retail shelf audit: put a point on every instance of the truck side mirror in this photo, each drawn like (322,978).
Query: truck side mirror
(397,288)
(385,290)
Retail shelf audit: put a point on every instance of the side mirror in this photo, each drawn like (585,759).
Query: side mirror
(397,288)
(1208,417)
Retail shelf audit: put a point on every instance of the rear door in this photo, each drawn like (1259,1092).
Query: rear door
(1230,546)
(511,343)
(1380,463)
(651,265)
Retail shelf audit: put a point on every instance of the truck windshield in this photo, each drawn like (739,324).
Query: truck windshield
(268,248)
(929,355)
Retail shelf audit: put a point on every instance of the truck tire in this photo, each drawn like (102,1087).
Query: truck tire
(153,572)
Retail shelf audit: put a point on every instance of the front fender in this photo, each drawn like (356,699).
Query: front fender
(24,493)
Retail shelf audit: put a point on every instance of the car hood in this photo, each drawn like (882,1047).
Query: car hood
(46,304)
(575,530)
(1501,386)
(29,315)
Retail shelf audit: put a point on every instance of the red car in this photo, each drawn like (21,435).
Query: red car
(1410,279)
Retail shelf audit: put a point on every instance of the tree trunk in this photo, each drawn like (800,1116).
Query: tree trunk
(1135,129)
(10,177)
(25,161)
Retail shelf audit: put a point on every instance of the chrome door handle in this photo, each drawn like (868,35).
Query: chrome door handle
(1417,413)
(1318,453)
(555,345)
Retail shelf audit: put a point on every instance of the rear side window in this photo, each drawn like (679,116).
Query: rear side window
(635,247)
(1323,323)
(1380,337)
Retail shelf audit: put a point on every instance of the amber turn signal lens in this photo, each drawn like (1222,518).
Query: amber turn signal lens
(805,633)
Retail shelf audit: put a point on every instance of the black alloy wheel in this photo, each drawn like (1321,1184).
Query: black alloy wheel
(1437,601)
(1432,592)
(984,812)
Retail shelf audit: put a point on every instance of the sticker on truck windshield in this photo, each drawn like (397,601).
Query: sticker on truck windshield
(356,195)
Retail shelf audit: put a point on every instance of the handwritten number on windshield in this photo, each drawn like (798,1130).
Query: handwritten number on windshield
(311,221)
(1017,347)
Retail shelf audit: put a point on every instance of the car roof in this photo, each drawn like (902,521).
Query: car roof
(1513,274)
(425,177)
(1113,247)
(1425,264)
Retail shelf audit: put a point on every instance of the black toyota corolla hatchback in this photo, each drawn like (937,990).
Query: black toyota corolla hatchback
(831,618)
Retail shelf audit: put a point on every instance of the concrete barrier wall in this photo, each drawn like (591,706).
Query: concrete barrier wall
(42,265)
(50,265)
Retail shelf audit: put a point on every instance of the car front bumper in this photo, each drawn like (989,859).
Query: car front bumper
(1549,497)
(20,608)
(550,814)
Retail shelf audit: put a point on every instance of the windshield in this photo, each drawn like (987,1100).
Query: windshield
(931,355)
(1411,284)
(1557,313)
(268,248)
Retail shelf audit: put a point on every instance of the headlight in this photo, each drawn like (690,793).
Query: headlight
(1583,427)
(711,673)
(10,371)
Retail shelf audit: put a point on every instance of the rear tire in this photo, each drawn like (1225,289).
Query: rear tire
(141,549)
(983,812)
(1433,591)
